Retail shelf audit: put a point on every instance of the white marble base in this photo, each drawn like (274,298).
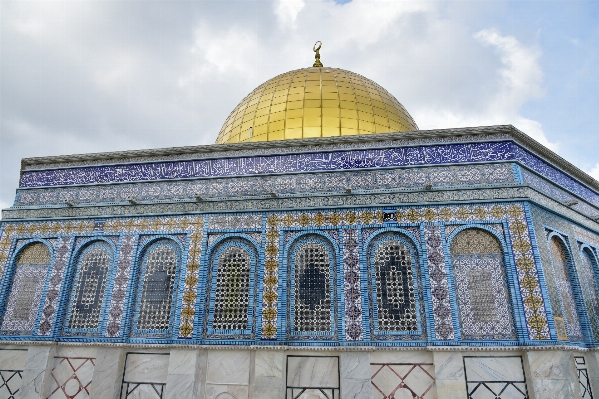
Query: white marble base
(265,373)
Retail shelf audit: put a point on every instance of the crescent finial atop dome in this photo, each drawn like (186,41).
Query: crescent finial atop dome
(316,49)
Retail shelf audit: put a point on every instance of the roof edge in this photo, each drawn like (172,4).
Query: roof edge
(516,134)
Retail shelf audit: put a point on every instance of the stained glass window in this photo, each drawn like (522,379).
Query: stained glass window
(160,267)
(481,286)
(562,277)
(26,289)
(395,294)
(88,292)
(231,304)
(312,296)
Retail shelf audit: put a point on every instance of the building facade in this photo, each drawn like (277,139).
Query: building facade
(456,263)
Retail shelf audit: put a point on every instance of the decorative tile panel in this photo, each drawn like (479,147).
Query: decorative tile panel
(351,286)
(481,286)
(270,293)
(194,226)
(358,159)
(235,222)
(63,251)
(561,261)
(407,179)
(441,302)
(114,323)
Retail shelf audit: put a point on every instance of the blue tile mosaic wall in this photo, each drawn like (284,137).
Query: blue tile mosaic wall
(353,295)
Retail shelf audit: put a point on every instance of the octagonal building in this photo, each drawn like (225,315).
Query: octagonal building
(323,248)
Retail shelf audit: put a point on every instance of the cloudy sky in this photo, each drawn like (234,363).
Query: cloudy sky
(82,76)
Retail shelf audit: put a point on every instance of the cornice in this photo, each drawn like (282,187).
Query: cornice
(517,135)
(344,348)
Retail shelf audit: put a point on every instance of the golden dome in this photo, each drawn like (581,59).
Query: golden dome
(315,102)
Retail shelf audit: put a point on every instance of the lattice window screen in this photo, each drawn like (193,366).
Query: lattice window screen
(157,288)
(231,304)
(395,294)
(312,296)
(88,292)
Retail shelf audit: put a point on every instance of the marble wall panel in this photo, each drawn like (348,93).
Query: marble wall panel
(269,382)
(228,367)
(147,367)
(313,371)
(552,374)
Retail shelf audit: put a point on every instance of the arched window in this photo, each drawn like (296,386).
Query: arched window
(26,288)
(394,286)
(481,286)
(157,283)
(312,291)
(560,259)
(232,297)
(87,296)
(589,266)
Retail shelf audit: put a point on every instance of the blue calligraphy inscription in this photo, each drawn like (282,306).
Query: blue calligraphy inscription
(311,162)
(356,159)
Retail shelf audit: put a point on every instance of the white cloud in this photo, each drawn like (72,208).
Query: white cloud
(519,80)
(87,77)
(595,171)
(287,11)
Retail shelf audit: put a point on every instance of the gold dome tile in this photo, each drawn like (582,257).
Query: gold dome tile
(315,102)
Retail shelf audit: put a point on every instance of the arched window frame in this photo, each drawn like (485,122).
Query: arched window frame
(138,281)
(575,286)
(371,245)
(7,282)
(215,251)
(73,277)
(587,250)
(291,249)
(516,307)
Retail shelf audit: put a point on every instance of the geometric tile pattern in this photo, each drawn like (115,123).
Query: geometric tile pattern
(71,377)
(395,294)
(482,294)
(270,293)
(403,380)
(312,293)
(10,383)
(63,250)
(351,286)
(441,303)
(589,285)
(561,262)
(156,287)
(231,302)
(119,289)
(88,293)
(24,299)
(481,286)
(194,227)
